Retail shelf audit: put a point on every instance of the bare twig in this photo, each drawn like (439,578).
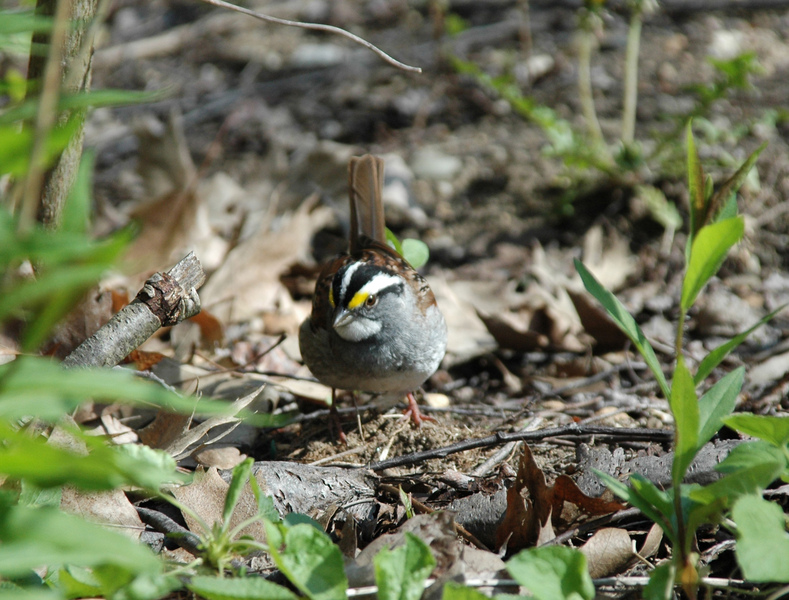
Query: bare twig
(316,27)
(165,299)
(658,435)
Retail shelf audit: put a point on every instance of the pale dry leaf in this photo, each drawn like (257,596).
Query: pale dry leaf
(224,457)
(608,551)
(106,508)
(175,218)
(248,282)
(652,543)
(468,336)
(611,260)
(206,497)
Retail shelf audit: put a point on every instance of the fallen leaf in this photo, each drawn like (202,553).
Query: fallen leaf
(608,552)
(110,508)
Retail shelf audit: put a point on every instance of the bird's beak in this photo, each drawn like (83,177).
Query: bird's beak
(342,317)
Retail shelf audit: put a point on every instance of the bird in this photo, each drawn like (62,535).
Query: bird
(375,325)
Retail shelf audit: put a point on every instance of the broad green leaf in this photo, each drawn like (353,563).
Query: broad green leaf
(552,573)
(30,594)
(762,540)
(707,252)
(685,408)
(239,479)
(24,22)
(415,252)
(35,537)
(714,358)
(456,591)
(238,588)
(35,386)
(770,429)
(103,467)
(16,144)
(749,469)
(625,322)
(661,583)
(717,404)
(310,561)
(400,574)
(698,199)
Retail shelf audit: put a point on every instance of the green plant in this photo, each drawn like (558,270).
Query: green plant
(714,229)
(622,160)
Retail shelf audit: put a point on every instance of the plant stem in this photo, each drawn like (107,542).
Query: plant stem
(586,44)
(631,78)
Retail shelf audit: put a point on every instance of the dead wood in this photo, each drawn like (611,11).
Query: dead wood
(166,299)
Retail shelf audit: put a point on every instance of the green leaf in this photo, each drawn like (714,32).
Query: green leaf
(717,404)
(238,588)
(456,591)
(103,467)
(394,242)
(552,573)
(714,358)
(27,110)
(310,561)
(734,183)
(707,252)
(35,537)
(415,252)
(400,574)
(35,386)
(770,429)
(762,541)
(698,199)
(625,322)
(661,583)
(749,469)
(685,408)
(266,508)
(237,482)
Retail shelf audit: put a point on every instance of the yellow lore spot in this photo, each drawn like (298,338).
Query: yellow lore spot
(358,299)
(331,297)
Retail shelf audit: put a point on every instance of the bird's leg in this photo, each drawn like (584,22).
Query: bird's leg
(334,420)
(413,411)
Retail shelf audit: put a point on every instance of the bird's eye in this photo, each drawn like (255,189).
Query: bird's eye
(372,300)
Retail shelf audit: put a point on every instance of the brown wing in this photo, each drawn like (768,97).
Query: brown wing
(365,187)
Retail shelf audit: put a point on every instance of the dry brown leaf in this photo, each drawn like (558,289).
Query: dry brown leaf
(652,543)
(529,506)
(247,283)
(83,321)
(571,505)
(211,330)
(608,552)
(206,497)
(611,260)
(224,457)
(176,217)
(535,509)
(597,323)
(164,429)
(468,336)
(106,508)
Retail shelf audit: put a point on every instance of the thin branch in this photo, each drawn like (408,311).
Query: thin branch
(316,27)
(656,435)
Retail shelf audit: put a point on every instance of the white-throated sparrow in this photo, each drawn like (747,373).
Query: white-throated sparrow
(375,325)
